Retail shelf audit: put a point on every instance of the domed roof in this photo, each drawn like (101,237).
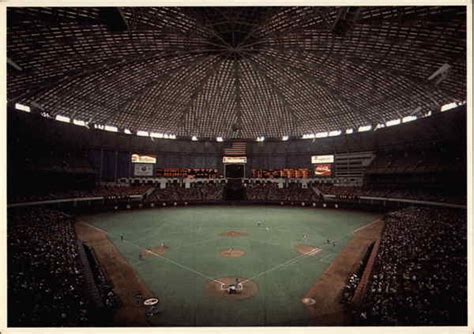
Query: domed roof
(236,71)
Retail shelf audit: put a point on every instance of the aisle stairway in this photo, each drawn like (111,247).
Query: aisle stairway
(234,190)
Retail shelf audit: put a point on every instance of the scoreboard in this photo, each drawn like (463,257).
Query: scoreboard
(322,165)
(143,165)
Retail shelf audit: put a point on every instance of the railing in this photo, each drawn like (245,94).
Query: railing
(68,200)
(90,284)
(362,287)
(329,201)
(333,198)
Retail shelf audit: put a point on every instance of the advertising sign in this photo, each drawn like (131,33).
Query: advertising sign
(234,160)
(322,159)
(143,170)
(144,159)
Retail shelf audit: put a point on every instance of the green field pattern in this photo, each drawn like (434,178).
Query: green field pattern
(193,237)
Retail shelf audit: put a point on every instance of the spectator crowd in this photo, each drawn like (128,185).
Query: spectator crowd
(103,283)
(175,192)
(420,273)
(109,192)
(45,275)
(390,191)
(355,277)
(290,192)
(256,191)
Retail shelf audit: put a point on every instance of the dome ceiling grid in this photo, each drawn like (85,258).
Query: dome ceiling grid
(296,88)
(273,113)
(167,97)
(295,73)
(217,95)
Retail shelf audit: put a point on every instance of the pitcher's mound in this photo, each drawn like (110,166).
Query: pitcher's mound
(161,250)
(230,252)
(233,234)
(307,250)
(244,290)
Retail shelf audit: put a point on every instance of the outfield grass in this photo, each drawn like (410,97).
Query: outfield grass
(193,236)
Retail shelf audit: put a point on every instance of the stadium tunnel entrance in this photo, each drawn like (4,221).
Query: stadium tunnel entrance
(234,189)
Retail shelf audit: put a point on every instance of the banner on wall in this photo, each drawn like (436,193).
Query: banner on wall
(143,159)
(234,160)
(322,159)
(143,170)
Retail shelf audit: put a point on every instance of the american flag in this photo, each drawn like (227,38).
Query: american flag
(235,149)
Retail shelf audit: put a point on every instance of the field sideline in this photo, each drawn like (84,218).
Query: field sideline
(177,252)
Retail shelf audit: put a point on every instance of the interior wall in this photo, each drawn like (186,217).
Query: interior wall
(109,153)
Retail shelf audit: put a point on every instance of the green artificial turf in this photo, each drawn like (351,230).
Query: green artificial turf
(193,237)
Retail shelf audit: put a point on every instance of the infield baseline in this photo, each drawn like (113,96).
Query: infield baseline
(281,265)
(159,256)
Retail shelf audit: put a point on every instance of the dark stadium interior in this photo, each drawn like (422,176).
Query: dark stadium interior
(240,106)
(420,156)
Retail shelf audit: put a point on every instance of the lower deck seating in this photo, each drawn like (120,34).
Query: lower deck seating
(271,192)
(393,191)
(45,276)
(49,281)
(176,192)
(420,272)
(102,191)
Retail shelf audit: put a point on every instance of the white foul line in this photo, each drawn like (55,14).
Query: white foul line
(286,263)
(159,256)
(294,260)
(367,225)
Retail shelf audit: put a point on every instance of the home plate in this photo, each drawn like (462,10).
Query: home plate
(308,301)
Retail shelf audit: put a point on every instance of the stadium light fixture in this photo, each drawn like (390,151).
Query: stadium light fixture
(99,126)
(448,106)
(156,135)
(219,139)
(365,128)
(349,131)
(321,135)
(285,138)
(22,107)
(408,119)
(78,122)
(63,119)
(194,138)
(142,133)
(309,136)
(260,139)
(127,131)
(393,122)
(110,128)
(335,133)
